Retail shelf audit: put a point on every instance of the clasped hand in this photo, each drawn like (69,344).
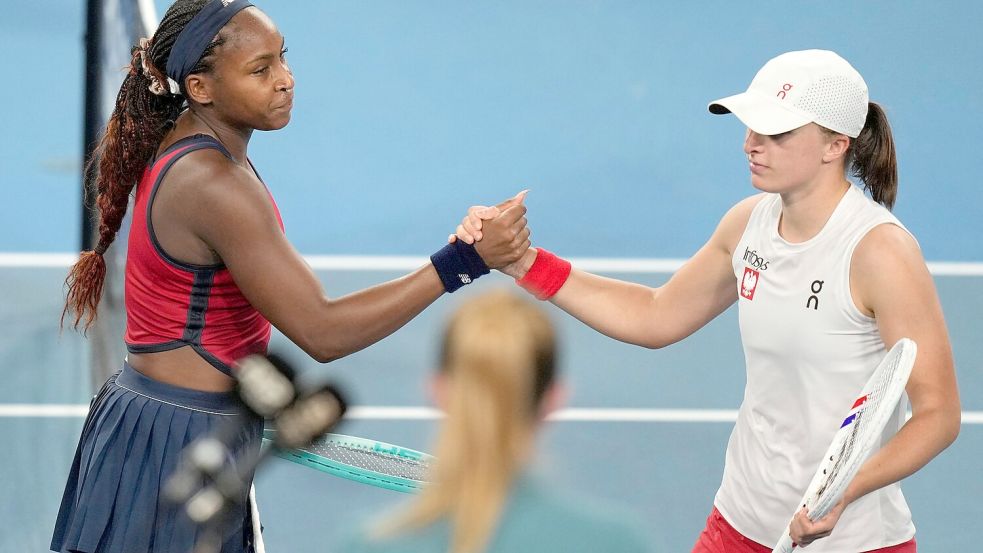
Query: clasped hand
(804,531)
(499,233)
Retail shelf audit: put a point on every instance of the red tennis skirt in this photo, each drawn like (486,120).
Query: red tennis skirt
(720,537)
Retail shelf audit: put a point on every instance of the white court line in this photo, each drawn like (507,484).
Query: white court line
(23,410)
(408,263)
(15,410)
(949,268)
(567,415)
(37,260)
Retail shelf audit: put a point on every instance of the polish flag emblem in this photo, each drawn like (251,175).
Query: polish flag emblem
(749,283)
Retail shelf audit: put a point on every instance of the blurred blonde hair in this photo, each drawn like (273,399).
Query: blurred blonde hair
(498,360)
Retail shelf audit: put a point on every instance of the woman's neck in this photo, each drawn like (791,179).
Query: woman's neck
(806,211)
(235,140)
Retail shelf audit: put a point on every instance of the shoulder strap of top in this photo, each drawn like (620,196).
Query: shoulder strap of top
(189,144)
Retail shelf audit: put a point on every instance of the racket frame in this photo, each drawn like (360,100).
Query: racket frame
(818,505)
(349,472)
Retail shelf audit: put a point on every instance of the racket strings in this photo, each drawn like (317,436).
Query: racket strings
(838,459)
(861,432)
(369,459)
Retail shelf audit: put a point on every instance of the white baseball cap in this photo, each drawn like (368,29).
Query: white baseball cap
(797,88)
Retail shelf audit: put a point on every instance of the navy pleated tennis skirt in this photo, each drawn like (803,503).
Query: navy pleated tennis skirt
(131,443)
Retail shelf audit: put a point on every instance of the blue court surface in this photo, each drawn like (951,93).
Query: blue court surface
(409,112)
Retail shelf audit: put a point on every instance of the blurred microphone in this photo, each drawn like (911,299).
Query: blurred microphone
(309,417)
(266,385)
(207,482)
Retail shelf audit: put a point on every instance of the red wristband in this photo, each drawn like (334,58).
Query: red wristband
(546,276)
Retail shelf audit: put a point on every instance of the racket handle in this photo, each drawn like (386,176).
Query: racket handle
(785,544)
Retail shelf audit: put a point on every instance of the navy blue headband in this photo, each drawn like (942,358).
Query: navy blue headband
(198,34)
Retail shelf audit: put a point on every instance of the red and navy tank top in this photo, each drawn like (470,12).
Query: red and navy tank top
(172,304)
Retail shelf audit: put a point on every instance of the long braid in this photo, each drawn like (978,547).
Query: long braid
(138,123)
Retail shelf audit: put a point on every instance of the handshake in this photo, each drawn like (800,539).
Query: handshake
(497,237)
(500,235)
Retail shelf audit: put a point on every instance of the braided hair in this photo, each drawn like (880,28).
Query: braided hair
(139,121)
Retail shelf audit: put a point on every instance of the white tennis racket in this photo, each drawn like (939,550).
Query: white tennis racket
(857,436)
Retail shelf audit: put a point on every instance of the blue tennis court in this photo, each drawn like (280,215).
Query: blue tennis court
(407,113)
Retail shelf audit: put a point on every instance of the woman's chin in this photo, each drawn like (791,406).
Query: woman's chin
(276,123)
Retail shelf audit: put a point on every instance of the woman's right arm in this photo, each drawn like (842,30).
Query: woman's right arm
(656,317)
(231,212)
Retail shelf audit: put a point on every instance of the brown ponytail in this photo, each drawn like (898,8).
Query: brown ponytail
(134,131)
(873,159)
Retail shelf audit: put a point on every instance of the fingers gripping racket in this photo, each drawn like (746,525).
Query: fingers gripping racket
(857,436)
(367,461)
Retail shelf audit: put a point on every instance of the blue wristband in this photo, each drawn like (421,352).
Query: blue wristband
(458,264)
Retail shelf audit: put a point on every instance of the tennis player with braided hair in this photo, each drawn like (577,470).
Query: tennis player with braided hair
(496,381)
(826,280)
(208,270)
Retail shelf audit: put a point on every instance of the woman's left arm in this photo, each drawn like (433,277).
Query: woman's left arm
(890,281)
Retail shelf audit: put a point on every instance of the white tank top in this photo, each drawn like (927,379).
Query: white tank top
(808,352)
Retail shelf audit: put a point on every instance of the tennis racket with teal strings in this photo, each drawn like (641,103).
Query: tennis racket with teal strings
(362,460)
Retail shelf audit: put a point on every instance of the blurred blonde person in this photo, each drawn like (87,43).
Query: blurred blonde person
(496,383)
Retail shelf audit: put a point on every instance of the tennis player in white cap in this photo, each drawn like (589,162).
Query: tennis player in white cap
(826,279)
